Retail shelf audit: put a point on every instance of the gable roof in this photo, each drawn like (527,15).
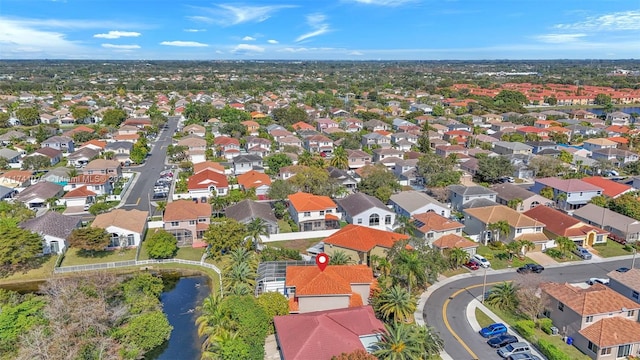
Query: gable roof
(253,179)
(631,278)
(82,191)
(413,200)
(363,238)
(454,241)
(308,202)
(493,214)
(476,190)
(132,220)
(43,190)
(186,210)
(507,191)
(357,203)
(52,224)
(205,178)
(613,331)
(100,164)
(334,280)
(48,152)
(568,185)
(303,334)
(560,223)
(431,221)
(610,188)
(594,300)
(208,165)
(248,209)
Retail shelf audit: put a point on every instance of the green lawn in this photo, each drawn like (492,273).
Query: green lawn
(77,257)
(610,249)
(454,272)
(483,319)
(301,244)
(42,272)
(189,253)
(284,226)
(500,258)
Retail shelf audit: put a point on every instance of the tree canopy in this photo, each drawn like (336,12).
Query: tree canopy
(161,245)
(224,235)
(89,238)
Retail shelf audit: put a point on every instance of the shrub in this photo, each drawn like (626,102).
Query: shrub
(554,253)
(551,351)
(545,325)
(496,245)
(525,328)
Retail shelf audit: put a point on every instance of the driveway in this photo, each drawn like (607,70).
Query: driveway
(541,258)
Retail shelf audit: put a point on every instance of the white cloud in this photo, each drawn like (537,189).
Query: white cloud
(559,38)
(195,30)
(246,48)
(121,47)
(383,2)
(271,41)
(624,20)
(183,43)
(19,36)
(356,53)
(227,14)
(114,34)
(318,24)
(248,38)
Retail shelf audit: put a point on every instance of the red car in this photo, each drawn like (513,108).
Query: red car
(472,265)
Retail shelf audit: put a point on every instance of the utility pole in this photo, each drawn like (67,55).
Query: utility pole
(484,285)
(633,262)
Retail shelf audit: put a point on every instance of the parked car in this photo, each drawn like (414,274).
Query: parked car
(527,268)
(523,356)
(603,281)
(514,348)
(472,265)
(622,269)
(493,330)
(583,253)
(481,260)
(501,340)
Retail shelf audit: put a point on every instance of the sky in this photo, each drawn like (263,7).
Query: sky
(320,29)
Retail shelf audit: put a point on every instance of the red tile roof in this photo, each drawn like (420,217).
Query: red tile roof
(568,185)
(325,333)
(431,221)
(560,223)
(205,179)
(82,191)
(334,280)
(309,202)
(610,187)
(362,238)
(594,300)
(210,165)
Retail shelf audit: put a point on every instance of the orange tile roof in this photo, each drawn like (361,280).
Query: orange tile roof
(253,179)
(355,300)
(186,210)
(97,143)
(610,188)
(594,300)
(82,191)
(309,202)
(206,178)
(619,139)
(433,221)
(334,280)
(208,165)
(300,125)
(454,241)
(362,238)
(612,331)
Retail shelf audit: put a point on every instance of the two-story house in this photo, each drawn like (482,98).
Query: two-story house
(569,194)
(622,228)
(543,147)
(510,148)
(319,144)
(626,283)
(446,150)
(360,243)
(207,183)
(362,209)
(408,203)
(602,323)
(405,171)
(478,223)
(560,224)
(312,212)
(518,198)
(245,163)
(432,226)
(358,159)
(377,140)
(618,118)
(82,156)
(187,221)
(121,150)
(376,125)
(62,143)
(387,156)
(459,195)
(227,147)
(617,157)
(196,147)
(598,144)
(111,168)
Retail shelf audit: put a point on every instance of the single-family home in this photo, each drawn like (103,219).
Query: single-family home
(376,139)
(609,187)
(207,183)
(36,196)
(618,157)
(11,156)
(375,125)
(432,226)
(569,194)
(446,150)
(543,147)
(126,228)
(362,242)
(247,211)
(78,198)
(62,143)
(598,144)
(82,156)
(313,212)
(618,118)
(54,155)
(478,223)
(460,195)
(560,224)
(111,168)
(452,241)
(319,144)
(246,163)
(54,228)
(408,203)
(99,184)
(510,148)
(259,181)
(362,209)
(626,283)
(358,159)
(121,150)
(195,129)
(518,198)
(16,178)
(620,227)
(387,156)
(602,323)
(188,221)
(227,147)
(342,178)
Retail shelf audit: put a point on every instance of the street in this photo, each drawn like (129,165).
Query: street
(142,190)
(453,298)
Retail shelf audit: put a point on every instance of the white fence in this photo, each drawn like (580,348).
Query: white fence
(155,224)
(298,235)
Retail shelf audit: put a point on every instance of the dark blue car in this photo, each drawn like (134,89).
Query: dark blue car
(493,330)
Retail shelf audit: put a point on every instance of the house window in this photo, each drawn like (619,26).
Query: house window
(317,224)
(518,231)
(387,220)
(430,235)
(114,241)
(220,191)
(174,223)
(538,229)
(630,313)
(605,351)
(359,220)
(624,350)
(131,241)
(192,222)
(589,319)
(635,295)
(560,306)
(546,313)
(329,211)
(374,220)
(466,198)
(201,220)
(321,212)
(592,347)
(307,214)
(458,230)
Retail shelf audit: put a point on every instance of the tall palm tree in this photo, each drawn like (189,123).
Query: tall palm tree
(514,203)
(340,158)
(498,228)
(399,342)
(395,304)
(404,225)
(239,275)
(431,341)
(256,229)
(565,244)
(457,257)
(410,268)
(503,296)
(218,204)
(561,197)
(340,257)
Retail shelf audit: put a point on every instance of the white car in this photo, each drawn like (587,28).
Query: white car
(481,260)
(603,281)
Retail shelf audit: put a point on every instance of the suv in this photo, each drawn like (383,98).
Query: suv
(514,348)
(481,260)
(535,268)
(493,330)
(583,253)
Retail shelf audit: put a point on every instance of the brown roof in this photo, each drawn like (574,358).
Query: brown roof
(595,300)
(630,278)
(493,214)
(560,223)
(429,221)
(612,331)
(208,165)
(132,220)
(186,210)
(454,241)
(17,175)
(101,164)
(49,152)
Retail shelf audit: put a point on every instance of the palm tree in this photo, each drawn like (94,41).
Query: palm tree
(503,296)
(410,268)
(340,159)
(514,203)
(218,204)
(399,342)
(161,206)
(239,276)
(256,229)
(306,158)
(565,244)
(498,228)
(526,246)
(404,225)
(560,197)
(340,257)
(73,173)
(513,247)
(395,304)
(432,342)
(457,257)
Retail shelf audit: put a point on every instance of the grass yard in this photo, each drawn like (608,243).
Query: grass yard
(483,319)
(500,258)
(301,244)
(189,253)
(43,272)
(76,257)
(284,226)
(454,272)
(610,249)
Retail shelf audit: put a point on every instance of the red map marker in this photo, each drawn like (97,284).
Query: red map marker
(322,260)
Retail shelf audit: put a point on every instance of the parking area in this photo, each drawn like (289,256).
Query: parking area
(541,258)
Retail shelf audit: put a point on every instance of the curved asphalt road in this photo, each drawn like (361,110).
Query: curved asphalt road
(451,301)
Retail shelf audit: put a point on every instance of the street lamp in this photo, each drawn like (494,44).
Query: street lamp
(633,262)
(484,285)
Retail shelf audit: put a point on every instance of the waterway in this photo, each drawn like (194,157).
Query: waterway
(628,110)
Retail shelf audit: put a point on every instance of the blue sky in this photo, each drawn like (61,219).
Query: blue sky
(320,29)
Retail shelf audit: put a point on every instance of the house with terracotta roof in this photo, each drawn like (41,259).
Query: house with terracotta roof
(609,187)
(259,181)
(362,209)
(16,178)
(432,226)
(187,221)
(603,323)
(312,212)
(126,228)
(227,147)
(337,287)
(79,197)
(95,144)
(560,224)
(452,241)
(301,125)
(346,330)
(207,183)
(361,242)
(97,183)
(54,228)
(521,227)
(569,194)
(110,168)
(319,144)
(208,165)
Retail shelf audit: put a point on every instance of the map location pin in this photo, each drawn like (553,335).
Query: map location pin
(322,260)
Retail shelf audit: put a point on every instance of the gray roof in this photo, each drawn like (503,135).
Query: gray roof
(413,200)
(246,158)
(85,152)
(513,145)
(247,210)
(58,139)
(42,189)
(595,214)
(4,191)
(13,134)
(58,174)
(508,192)
(470,190)
(355,204)
(119,145)
(8,153)
(478,203)
(52,224)
(540,143)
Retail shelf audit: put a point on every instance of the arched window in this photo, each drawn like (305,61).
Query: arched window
(534,204)
(374,220)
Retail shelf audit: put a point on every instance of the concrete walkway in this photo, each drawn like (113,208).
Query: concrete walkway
(541,258)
